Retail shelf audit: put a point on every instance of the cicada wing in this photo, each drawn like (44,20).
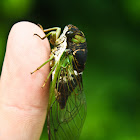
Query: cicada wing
(66,123)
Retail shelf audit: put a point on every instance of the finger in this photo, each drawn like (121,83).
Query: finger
(23,102)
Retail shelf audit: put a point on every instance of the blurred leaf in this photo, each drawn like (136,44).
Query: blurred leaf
(132,9)
(16,8)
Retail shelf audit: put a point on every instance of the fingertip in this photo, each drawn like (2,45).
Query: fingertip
(24,53)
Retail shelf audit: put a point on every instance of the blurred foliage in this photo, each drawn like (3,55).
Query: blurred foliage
(112,74)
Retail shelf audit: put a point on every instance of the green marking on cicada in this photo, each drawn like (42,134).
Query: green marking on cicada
(66,110)
(78,39)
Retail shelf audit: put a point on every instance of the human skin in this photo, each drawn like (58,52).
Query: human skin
(23,103)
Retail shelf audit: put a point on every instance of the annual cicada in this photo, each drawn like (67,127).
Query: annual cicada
(66,111)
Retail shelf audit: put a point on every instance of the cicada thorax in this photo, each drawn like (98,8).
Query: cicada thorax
(79,52)
(76,42)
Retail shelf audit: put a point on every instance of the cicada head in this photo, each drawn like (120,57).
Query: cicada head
(75,35)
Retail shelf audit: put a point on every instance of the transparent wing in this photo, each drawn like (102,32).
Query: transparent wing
(66,123)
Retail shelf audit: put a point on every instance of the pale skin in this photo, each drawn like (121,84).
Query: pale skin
(23,103)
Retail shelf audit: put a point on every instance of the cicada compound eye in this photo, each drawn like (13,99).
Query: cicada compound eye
(70,34)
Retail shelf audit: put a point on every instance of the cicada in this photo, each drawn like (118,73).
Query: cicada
(66,110)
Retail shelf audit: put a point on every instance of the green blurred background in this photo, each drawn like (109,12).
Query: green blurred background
(112,74)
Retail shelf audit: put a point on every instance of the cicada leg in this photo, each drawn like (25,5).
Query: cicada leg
(57,31)
(40,27)
(54,33)
(49,75)
(50,71)
(43,64)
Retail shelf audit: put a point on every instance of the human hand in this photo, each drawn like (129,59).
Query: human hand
(23,103)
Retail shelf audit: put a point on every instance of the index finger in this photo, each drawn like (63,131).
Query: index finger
(25,52)
(22,100)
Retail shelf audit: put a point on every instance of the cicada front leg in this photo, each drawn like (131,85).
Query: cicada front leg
(40,27)
(54,34)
